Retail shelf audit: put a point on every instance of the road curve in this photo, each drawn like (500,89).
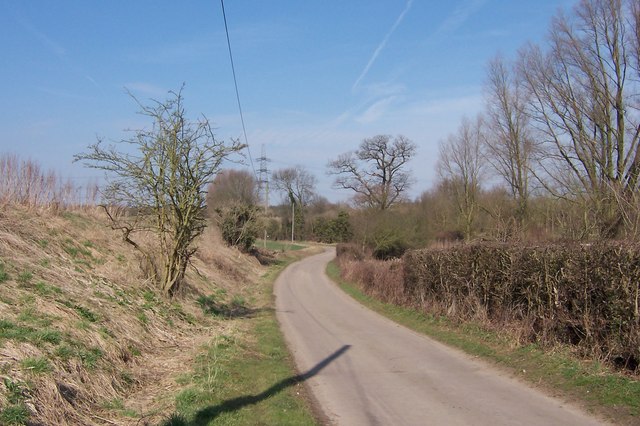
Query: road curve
(363,369)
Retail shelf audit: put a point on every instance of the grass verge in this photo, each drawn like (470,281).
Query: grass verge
(596,388)
(278,245)
(245,379)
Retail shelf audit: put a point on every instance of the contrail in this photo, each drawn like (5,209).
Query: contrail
(382,45)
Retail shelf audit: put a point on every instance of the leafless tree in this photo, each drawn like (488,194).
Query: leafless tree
(232,186)
(509,143)
(376,172)
(298,186)
(295,183)
(461,166)
(584,100)
(157,184)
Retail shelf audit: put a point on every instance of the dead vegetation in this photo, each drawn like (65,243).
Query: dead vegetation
(84,338)
(582,295)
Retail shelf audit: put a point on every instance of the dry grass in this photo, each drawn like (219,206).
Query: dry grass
(107,346)
(382,279)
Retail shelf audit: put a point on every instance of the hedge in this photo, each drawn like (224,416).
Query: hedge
(582,294)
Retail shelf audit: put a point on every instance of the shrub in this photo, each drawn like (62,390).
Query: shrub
(239,225)
(350,251)
(377,278)
(586,295)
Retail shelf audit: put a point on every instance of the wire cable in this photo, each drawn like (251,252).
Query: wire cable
(235,82)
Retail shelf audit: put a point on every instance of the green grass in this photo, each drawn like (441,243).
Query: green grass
(244,380)
(25,277)
(597,388)
(44,289)
(24,333)
(36,365)
(14,414)
(279,245)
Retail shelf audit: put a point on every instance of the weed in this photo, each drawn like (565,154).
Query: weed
(143,318)
(64,352)
(83,263)
(6,300)
(36,365)
(176,420)
(16,391)
(106,333)
(25,277)
(88,243)
(45,263)
(120,258)
(17,414)
(30,315)
(83,325)
(114,404)
(73,251)
(127,378)
(3,274)
(86,313)
(43,243)
(90,357)
(27,299)
(134,350)
(149,296)
(238,301)
(44,289)
(47,335)
(101,295)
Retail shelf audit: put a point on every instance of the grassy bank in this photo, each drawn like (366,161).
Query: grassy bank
(596,388)
(247,378)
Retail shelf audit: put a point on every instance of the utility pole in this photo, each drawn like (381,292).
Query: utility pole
(263,186)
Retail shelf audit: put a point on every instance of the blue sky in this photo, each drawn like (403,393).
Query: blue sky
(315,77)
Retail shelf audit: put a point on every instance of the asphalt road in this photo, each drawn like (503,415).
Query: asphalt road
(363,369)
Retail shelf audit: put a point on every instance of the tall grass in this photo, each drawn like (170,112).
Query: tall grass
(26,183)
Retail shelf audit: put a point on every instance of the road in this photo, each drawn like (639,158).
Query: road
(363,369)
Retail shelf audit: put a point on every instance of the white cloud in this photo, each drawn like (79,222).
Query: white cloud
(376,110)
(459,16)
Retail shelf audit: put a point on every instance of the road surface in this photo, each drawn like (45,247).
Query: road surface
(363,369)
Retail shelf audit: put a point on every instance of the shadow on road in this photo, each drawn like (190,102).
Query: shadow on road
(204,416)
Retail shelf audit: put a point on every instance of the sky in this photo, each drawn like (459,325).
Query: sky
(315,77)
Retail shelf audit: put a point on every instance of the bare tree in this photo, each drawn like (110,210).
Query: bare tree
(508,141)
(584,102)
(157,184)
(232,186)
(461,166)
(298,186)
(376,172)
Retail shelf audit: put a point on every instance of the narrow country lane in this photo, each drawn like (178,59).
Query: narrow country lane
(375,372)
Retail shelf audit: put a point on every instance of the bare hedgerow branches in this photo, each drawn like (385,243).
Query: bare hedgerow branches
(157,183)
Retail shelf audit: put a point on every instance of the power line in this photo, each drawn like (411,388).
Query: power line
(235,82)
